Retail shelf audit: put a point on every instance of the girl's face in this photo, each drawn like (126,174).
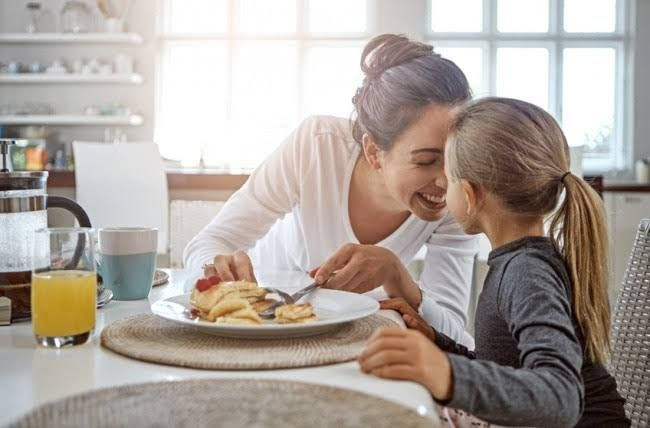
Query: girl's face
(457,200)
(413,170)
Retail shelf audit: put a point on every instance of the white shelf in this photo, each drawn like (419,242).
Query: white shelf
(124,38)
(72,120)
(133,79)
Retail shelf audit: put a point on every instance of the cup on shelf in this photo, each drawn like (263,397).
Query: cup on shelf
(114,25)
(56,67)
(123,64)
(77,66)
(105,69)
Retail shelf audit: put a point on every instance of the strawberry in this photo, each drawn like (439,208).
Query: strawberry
(203,284)
(214,279)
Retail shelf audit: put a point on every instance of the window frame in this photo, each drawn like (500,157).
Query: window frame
(303,39)
(557,39)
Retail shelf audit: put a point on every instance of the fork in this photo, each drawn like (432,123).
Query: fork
(270,311)
(286,297)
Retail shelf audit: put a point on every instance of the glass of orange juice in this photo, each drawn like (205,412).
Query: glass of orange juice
(64,287)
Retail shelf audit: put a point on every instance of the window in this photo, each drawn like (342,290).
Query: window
(236,76)
(567,56)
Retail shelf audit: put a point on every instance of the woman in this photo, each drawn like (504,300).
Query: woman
(360,202)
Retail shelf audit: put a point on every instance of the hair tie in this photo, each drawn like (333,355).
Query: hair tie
(564,176)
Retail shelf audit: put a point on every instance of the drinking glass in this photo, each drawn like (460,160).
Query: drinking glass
(64,286)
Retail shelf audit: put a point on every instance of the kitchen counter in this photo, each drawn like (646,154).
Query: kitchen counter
(210,179)
(176,179)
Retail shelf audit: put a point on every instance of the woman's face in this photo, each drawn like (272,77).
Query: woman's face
(413,169)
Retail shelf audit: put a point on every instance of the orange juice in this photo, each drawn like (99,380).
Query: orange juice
(63,302)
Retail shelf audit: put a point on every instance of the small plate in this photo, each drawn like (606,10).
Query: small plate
(160,277)
(333,308)
(104,297)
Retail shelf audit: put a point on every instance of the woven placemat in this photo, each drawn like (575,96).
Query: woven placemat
(150,338)
(223,403)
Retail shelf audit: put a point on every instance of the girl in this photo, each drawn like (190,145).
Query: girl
(542,323)
(361,200)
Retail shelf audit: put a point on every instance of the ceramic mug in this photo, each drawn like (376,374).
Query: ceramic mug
(126,260)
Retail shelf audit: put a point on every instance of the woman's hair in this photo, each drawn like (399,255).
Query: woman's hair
(517,152)
(402,77)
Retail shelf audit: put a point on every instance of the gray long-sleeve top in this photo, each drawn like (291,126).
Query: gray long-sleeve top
(529,350)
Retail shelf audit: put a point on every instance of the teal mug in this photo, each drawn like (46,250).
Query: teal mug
(126,260)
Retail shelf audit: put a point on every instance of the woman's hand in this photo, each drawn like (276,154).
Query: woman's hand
(411,317)
(231,267)
(395,353)
(361,268)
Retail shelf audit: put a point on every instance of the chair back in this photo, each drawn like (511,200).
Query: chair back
(123,185)
(630,361)
(187,218)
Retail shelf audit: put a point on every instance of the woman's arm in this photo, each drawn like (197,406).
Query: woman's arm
(271,191)
(446,279)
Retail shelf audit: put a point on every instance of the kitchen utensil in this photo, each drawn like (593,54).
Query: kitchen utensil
(23,205)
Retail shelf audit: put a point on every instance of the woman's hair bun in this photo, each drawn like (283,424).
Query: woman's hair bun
(388,51)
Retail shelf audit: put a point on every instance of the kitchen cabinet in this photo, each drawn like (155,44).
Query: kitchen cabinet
(624,211)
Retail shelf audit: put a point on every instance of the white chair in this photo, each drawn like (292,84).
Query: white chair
(187,218)
(123,185)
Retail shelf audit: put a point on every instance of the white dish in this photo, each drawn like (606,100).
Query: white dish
(333,308)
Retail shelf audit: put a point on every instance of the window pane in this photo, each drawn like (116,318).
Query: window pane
(584,16)
(337,16)
(457,15)
(332,75)
(523,16)
(264,102)
(470,60)
(194,94)
(198,16)
(264,16)
(523,73)
(589,100)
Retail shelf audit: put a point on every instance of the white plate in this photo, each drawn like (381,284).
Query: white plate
(333,308)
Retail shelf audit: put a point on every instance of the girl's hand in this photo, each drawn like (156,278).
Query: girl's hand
(395,353)
(411,317)
(361,268)
(231,267)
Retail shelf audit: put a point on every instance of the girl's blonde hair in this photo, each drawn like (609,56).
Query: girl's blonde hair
(517,152)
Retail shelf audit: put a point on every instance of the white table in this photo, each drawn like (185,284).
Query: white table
(31,375)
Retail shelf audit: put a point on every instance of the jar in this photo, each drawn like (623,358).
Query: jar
(75,17)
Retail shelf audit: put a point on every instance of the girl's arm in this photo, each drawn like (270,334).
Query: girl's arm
(547,389)
(414,321)
(446,279)
(271,191)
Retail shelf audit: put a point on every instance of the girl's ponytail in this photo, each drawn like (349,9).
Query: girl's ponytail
(578,230)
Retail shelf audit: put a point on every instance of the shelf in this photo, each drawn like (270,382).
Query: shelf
(121,38)
(26,78)
(72,120)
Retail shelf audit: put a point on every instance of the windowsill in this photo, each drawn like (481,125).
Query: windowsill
(206,179)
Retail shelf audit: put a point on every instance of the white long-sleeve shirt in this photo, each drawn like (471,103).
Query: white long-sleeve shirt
(292,214)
